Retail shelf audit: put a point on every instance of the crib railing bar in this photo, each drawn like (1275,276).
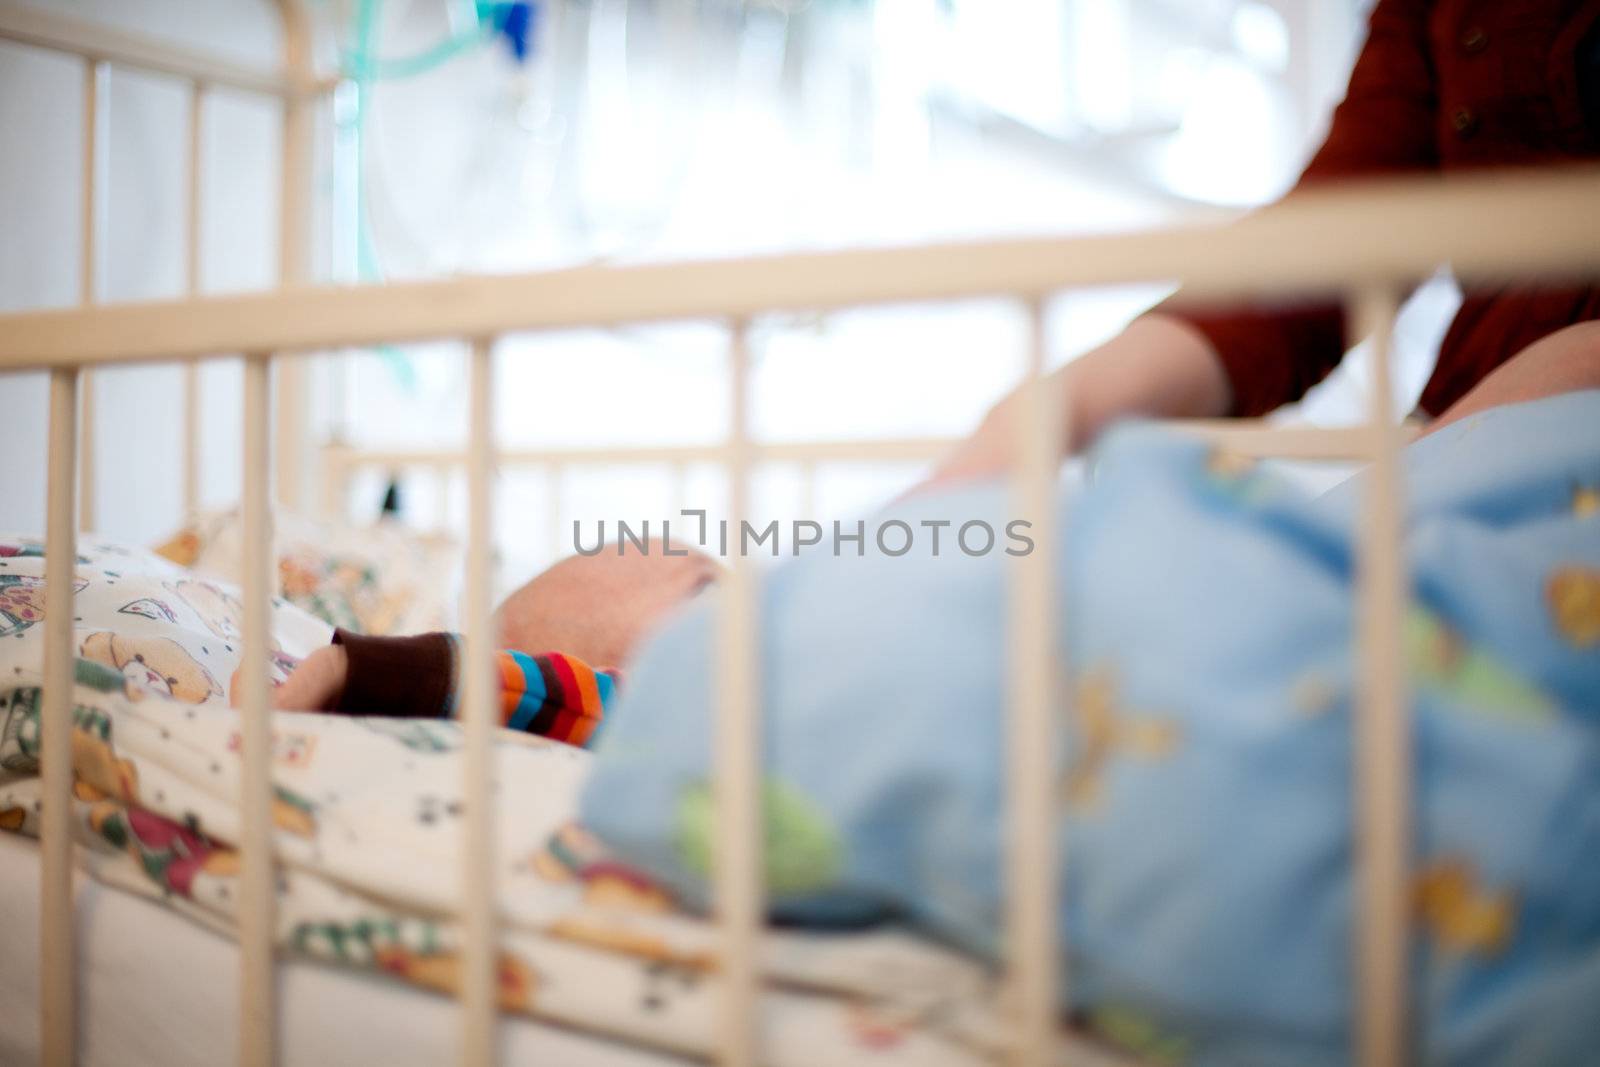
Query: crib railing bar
(1032,724)
(290,434)
(737,747)
(1382,776)
(99,43)
(57,981)
(192,276)
(1321,241)
(195,161)
(191,439)
(1248,438)
(906,449)
(257,896)
(87,476)
(479,925)
(96,81)
(294,243)
(1288,442)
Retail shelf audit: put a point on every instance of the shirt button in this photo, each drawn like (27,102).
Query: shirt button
(1474,40)
(1464,121)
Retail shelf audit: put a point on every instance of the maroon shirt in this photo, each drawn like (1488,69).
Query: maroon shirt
(1441,86)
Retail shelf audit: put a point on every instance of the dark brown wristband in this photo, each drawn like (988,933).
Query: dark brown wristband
(404,677)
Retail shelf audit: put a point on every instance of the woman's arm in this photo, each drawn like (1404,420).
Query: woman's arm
(1178,362)
(1563,362)
(1159,367)
(1273,351)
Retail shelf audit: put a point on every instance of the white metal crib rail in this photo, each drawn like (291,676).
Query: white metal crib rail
(1366,244)
(72,476)
(340,460)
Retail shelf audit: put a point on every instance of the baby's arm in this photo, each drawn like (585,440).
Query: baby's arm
(553,695)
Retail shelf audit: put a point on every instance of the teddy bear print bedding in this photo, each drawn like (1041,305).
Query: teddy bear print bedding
(367,814)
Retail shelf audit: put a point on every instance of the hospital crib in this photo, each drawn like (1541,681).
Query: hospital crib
(1365,244)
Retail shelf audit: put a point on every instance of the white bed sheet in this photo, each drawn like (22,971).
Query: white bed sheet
(157,989)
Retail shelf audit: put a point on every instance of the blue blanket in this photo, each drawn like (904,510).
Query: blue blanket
(1206,760)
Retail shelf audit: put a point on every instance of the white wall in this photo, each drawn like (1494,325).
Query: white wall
(139,410)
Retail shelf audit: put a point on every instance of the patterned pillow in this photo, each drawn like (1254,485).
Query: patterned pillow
(379,579)
(167,630)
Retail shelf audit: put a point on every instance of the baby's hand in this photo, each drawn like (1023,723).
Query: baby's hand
(316,684)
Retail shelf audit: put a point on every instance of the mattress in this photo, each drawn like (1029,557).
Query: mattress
(155,988)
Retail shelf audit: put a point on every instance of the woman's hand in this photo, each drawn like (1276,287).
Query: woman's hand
(316,684)
(986,453)
(1159,367)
